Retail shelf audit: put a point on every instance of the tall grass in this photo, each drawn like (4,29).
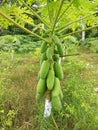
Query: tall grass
(19,109)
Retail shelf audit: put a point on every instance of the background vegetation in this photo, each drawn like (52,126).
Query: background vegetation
(20,64)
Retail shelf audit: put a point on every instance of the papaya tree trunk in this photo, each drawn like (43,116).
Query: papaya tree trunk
(83,28)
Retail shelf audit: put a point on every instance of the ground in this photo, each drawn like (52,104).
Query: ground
(19,77)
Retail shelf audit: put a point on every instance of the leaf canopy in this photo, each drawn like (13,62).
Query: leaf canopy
(46,10)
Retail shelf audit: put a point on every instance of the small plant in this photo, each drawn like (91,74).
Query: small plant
(6,119)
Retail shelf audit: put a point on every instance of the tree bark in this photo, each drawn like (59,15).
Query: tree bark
(83,28)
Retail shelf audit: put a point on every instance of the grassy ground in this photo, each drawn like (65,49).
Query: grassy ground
(19,109)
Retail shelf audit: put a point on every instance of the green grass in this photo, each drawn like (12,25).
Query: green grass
(18,107)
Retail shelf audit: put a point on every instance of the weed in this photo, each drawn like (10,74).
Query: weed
(19,109)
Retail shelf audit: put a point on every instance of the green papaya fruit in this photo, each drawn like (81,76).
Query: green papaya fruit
(58,70)
(41,88)
(56,103)
(49,53)
(43,57)
(56,39)
(56,57)
(44,69)
(44,47)
(50,79)
(60,49)
(56,88)
(59,45)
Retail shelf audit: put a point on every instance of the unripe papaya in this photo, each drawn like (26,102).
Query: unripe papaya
(56,88)
(60,49)
(56,57)
(43,47)
(43,57)
(41,88)
(50,79)
(55,50)
(39,96)
(49,53)
(58,70)
(59,45)
(44,69)
(56,39)
(56,102)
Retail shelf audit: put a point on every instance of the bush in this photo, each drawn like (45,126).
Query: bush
(18,43)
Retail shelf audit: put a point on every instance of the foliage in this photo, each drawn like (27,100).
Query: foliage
(91,44)
(18,43)
(6,119)
(76,10)
(80,100)
(79,94)
(79,104)
(17,94)
(11,10)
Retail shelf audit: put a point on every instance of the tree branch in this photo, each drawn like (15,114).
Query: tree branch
(66,26)
(56,126)
(65,10)
(63,36)
(57,15)
(36,14)
(23,28)
(70,55)
(49,11)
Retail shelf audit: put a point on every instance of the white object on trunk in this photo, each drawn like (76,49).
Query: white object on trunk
(47,110)
(83,32)
(60,61)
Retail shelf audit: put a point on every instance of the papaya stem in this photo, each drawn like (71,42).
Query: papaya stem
(49,11)
(70,23)
(65,10)
(70,55)
(36,14)
(48,95)
(57,15)
(57,128)
(63,36)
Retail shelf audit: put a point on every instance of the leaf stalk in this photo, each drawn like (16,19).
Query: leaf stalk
(57,15)
(63,36)
(36,14)
(23,28)
(65,10)
(70,23)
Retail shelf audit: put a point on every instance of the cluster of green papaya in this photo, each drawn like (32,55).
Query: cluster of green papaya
(51,72)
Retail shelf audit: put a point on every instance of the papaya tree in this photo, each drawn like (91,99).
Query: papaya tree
(56,17)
